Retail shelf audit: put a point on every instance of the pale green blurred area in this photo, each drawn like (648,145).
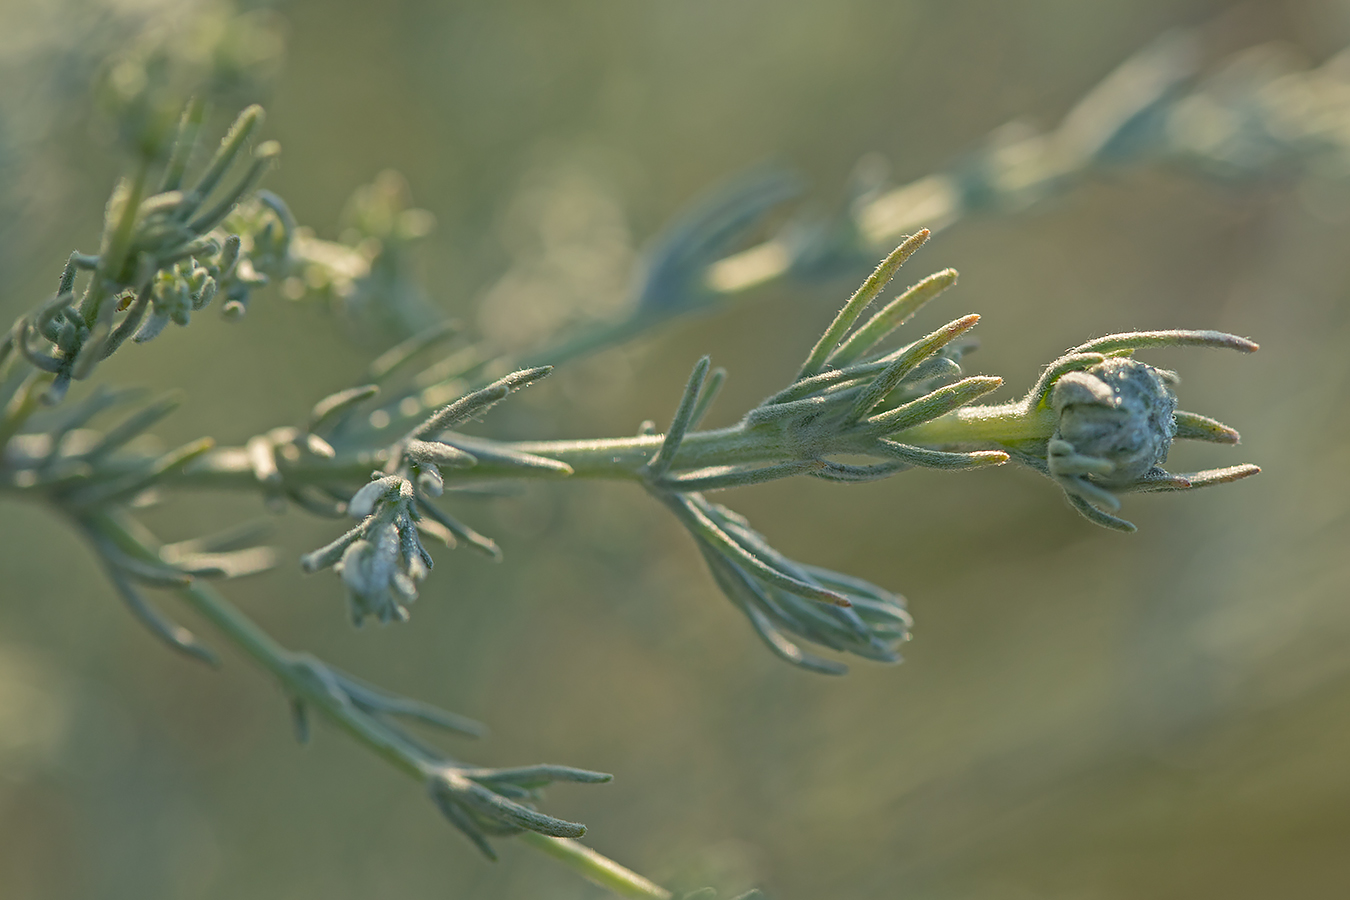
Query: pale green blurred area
(1082,714)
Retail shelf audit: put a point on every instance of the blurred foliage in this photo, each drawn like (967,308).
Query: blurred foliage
(1080,714)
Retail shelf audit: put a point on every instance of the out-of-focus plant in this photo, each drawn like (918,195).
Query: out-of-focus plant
(1260,116)
(390,454)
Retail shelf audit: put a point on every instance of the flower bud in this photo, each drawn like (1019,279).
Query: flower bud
(1120,410)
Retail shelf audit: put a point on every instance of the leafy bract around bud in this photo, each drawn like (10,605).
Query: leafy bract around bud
(1112,421)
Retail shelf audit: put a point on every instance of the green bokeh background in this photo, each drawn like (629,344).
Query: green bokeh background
(1081,714)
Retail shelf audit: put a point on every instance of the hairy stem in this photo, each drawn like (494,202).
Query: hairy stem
(622,459)
(612,458)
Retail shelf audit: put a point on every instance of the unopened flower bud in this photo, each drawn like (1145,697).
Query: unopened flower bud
(1120,410)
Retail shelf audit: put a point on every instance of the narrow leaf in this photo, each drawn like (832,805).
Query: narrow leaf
(135,425)
(705,528)
(875,283)
(715,478)
(1097,517)
(1194,480)
(930,406)
(327,410)
(248,120)
(1194,427)
(491,452)
(890,317)
(941,459)
(1135,340)
(711,388)
(1073,362)
(847,474)
(479,401)
(462,532)
(906,362)
(175,635)
(659,464)
(438,454)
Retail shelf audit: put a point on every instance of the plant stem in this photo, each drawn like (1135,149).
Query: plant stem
(622,459)
(613,458)
(288,667)
(594,867)
(294,671)
(1006,424)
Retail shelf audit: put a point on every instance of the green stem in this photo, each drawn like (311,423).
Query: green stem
(612,458)
(292,670)
(594,867)
(1006,424)
(621,459)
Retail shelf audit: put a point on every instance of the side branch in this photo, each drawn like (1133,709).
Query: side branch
(312,685)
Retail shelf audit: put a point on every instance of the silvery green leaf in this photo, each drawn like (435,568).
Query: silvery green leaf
(477,402)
